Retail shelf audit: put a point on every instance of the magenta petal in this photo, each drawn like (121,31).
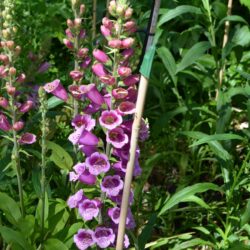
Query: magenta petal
(56,89)
(99,70)
(87,138)
(4,123)
(88,150)
(87,178)
(94,95)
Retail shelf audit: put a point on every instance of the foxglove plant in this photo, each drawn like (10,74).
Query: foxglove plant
(12,107)
(109,104)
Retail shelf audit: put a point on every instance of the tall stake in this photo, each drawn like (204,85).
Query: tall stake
(135,133)
(225,40)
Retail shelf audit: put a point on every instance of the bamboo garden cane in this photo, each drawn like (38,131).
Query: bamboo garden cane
(145,73)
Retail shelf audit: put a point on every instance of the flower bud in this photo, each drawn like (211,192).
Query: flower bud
(100,56)
(12,71)
(69,34)
(76,75)
(10,44)
(4,102)
(4,58)
(83,52)
(77,23)
(10,89)
(130,26)
(21,78)
(17,126)
(70,23)
(14,29)
(115,43)
(68,44)
(17,50)
(127,42)
(27,106)
(107,23)
(82,9)
(124,71)
(82,34)
(119,93)
(105,31)
(86,62)
(5,33)
(128,13)
(120,10)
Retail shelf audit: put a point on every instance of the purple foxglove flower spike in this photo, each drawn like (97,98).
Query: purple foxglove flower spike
(84,239)
(104,237)
(117,137)
(76,199)
(97,163)
(112,185)
(4,123)
(56,89)
(27,138)
(89,209)
(110,119)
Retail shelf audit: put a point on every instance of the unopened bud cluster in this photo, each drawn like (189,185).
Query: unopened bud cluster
(9,101)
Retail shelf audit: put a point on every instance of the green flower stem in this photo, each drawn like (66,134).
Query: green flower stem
(43,109)
(15,157)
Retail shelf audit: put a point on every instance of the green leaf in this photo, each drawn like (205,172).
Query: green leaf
(26,225)
(54,102)
(246,3)
(232,18)
(192,243)
(186,193)
(146,232)
(10,208)
(68,239)
(197,200)
(54,244)
(59,156)
(14,237)
(245,217)
(216,137)
(173,13)
(239,246)
(168,61)
(215,146)
(193,54)
(242,36)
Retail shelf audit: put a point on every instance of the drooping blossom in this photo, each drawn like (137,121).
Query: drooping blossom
(75,200)
(84,121)
(104,237)
(82,174)
(27,106)
(27,138)
(117,137)
(97,163)
(89,209)
(4,103)
(56,89)
(126,108)
(84,239)
(100,56)
(110,119)
(112,185)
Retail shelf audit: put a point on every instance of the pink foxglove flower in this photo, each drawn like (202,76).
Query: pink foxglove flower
(104,237)
(119,93)
(75,200)
(92,93)
(76,75)
(126,108)
(115,43)
(112,185)
(86,62)
(84,239)
(56,89)
(97,163)
(84,121)
(105,31)
(17,126)
(27,138)
(89,209)
(117,137)
(131,80)
(124,71)
(110,119)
